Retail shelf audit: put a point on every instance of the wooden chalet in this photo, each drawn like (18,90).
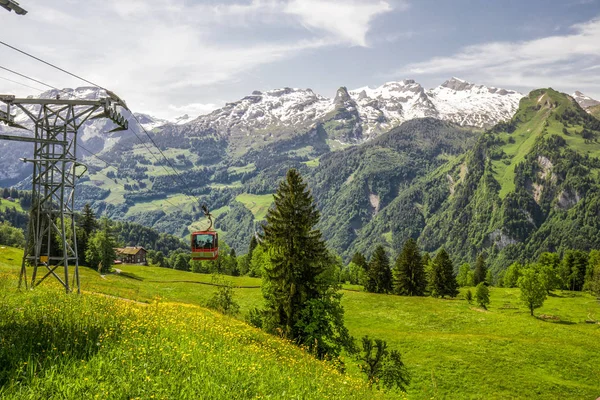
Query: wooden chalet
(132,255)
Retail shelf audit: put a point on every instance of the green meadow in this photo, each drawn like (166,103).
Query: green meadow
(452,349)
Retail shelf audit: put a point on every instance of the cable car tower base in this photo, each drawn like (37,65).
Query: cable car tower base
(51,239)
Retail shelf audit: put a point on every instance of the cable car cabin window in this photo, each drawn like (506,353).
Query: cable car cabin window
(205,241)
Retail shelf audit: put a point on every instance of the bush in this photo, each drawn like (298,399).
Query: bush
(482,295)
(11,236)
(222,300)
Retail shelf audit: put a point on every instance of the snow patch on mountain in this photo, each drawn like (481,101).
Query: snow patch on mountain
(468,104)
(286,107)
(584,101)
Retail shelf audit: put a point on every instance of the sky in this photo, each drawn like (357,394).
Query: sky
(174,57)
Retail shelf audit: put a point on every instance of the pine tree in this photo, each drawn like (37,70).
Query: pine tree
(253,244)
(379,275)
(480,270)
(442,281)
(87,226)
(88,220)
(298,281)
(408,273)
(360,260)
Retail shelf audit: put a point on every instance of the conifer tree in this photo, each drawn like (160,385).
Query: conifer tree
(408,273)
(253,244)
(298,281)
(442,281)
(359,259)
(480,272)
(87,226)
(379,275)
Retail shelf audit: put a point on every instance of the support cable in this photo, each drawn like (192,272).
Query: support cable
(50,64)
(132,114)
(22,84)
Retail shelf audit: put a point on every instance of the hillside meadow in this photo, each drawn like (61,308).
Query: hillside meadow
(452,349)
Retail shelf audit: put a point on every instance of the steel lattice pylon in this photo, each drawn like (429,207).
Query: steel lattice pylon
(51,240)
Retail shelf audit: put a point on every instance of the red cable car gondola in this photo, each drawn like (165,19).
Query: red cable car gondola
(205,244)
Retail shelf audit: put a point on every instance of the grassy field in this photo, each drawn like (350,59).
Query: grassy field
(178,200)
(257,204)
(4,204)
(452,349)
(92,346)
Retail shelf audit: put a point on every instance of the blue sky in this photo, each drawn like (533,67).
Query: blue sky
(170,57)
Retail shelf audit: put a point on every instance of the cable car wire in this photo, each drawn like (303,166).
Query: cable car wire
(22,84)
(50,64)
(100,87)
(30,78)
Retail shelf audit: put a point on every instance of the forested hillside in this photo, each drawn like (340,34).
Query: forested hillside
(526,186)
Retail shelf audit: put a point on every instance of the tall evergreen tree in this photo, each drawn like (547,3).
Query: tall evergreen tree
(480,272)
(298,283)
(87,226)
(408,273)
(442,281)
(359,259)
(379,275)
(253,244)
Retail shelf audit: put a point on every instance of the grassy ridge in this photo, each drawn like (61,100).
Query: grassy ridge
(453,350)
(92,346)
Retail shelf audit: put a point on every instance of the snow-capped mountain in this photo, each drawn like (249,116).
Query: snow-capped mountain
(387,106)
(468,104)
(352,116)
(584,101)
(283,108)
(362,113)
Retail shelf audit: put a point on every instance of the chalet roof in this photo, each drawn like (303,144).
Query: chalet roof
(130,251)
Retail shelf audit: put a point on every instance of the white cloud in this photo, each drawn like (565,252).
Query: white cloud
(558,60)
(192,109)
(348,21)
(158,52)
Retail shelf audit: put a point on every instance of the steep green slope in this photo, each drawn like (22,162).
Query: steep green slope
(355,186)
(595,111)
(530,185)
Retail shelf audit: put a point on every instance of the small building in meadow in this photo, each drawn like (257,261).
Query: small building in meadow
(132,255)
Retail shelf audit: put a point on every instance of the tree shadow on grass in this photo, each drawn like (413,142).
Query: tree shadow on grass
(553,319)
(129,275)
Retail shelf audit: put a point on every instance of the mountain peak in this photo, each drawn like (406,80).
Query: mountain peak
(584,101)
(455,83)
